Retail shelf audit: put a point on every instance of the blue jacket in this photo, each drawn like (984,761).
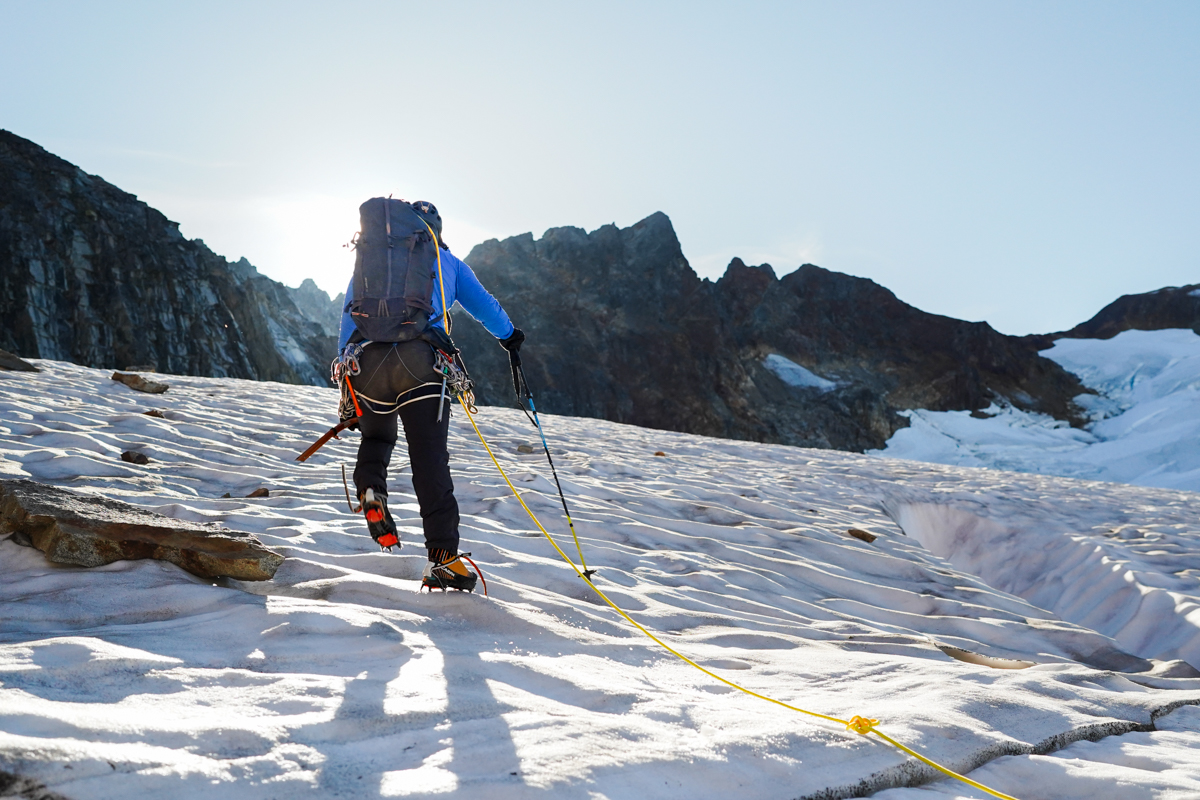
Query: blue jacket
(461,285)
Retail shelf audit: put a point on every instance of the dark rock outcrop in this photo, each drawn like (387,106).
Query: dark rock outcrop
(92,531)
(12,362)
(1170,307)
(89,274)
(620,327)
(883,354)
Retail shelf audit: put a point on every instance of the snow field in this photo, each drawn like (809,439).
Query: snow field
(1145,418)
(339,679)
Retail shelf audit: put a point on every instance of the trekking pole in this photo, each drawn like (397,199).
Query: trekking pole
(524,395)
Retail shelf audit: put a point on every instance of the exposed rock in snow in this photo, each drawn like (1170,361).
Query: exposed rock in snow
(93,531)
(10,361)
(140,384)
(1169,307)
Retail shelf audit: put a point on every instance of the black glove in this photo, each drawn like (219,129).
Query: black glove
(513,343)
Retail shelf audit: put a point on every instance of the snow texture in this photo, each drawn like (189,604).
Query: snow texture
(1159,763)
(793,374)
(1145,418)
(339,678)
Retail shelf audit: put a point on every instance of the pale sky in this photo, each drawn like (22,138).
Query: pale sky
(1022,163)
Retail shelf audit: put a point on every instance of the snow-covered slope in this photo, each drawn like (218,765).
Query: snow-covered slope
(339,679)
(1146,413)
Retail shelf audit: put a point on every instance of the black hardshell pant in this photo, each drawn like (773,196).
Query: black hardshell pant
(398,381)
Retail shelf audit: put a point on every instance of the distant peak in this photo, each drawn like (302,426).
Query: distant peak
(737,265)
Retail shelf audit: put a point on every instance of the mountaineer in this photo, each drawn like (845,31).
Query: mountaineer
(395,358)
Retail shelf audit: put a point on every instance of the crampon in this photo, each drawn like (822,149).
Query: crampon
(379,521)
(449,572)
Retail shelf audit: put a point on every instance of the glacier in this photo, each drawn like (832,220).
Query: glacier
(1145,418)
(339,678)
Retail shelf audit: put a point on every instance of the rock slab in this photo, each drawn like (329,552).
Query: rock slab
(14,362)
(140,384)
(88,531)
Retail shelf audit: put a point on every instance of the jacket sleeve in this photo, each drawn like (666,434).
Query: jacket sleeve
(347,322)
(478,302)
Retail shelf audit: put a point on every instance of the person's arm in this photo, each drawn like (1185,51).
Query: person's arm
(347,323)
(477,301)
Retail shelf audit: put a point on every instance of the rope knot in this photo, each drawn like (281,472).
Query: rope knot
(861,725)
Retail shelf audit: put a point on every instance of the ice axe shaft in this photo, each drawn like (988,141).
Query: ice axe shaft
(332,433)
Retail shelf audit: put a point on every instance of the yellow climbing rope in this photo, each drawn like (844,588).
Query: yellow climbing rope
(860,725)
(437,248)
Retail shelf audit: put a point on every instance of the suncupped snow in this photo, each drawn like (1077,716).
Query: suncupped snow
(339,678)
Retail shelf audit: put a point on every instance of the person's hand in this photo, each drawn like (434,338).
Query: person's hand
(513,343)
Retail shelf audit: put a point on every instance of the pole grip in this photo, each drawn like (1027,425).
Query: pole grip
(514,362)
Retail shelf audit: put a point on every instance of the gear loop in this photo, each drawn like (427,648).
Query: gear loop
(347,362)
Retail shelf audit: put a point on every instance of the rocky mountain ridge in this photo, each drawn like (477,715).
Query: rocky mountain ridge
(90,274)
(620,327)
(1165,308)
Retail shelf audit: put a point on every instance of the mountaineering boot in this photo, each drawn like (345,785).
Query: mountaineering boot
(446,571)
(379,520)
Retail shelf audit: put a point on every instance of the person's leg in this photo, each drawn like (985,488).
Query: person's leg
(379,435)
(430,460)
(376,381)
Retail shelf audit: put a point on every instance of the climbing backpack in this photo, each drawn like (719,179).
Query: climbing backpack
(395,258)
